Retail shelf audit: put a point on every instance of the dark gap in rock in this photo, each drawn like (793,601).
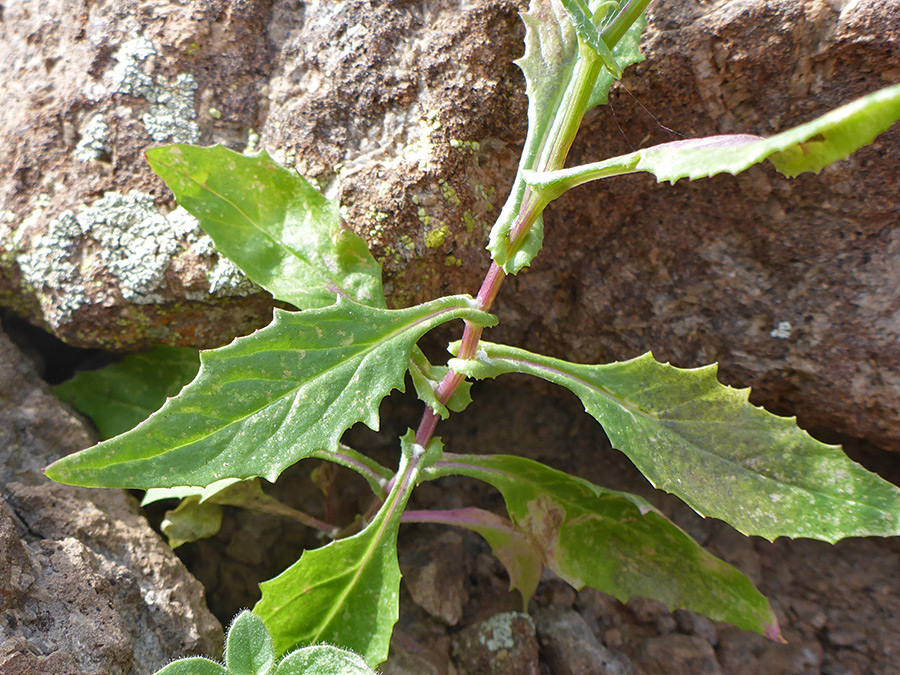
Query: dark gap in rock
(55,360)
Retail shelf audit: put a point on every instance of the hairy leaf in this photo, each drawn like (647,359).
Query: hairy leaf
(196,665)
(615,542)
(704,442)
(123,394)
(345,593)
(323,660)
(808,147)
(268,400)
(248,647)
(283,233)
(522,561)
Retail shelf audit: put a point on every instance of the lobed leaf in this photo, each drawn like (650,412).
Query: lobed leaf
(808,147)
(268,400)
(345,593)
(123,394)
(615,542)
(283,233)
(704,442)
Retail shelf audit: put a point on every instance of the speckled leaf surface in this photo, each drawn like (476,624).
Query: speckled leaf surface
(808,147)
(704,442)
(346,593)
(615,542)
(282,233)
(269,399)
(123,394)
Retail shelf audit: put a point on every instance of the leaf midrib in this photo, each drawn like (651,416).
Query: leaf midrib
(361,354)
(834,499)
(330,283)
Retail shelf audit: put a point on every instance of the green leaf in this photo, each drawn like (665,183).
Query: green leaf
(248,647)
(268,400)
(345,593)
(583,23)
(323,660)
(426,377)
(123,394)
(551,48)
(615,542)
(549,66)
(283,233)
(183,491)
(704,442)
(190,521)
(627,52)
(522,561)
(808,147)
(196,665)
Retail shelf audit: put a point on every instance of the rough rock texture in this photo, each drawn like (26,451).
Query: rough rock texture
(85,585)
(411,112)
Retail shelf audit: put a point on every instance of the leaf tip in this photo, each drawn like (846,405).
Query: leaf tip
(773,632)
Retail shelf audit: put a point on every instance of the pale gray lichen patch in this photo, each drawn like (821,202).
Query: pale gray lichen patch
(51,263)
(171,115)
(134,242)
(226,279)
(497,632)
(93,142)
(128,76)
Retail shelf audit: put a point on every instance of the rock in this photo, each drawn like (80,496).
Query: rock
(652,612)
(676,654)
(743,653)
(85,585)
(413,115)
(504,644)
(434,571)
(696,624)
(570,647)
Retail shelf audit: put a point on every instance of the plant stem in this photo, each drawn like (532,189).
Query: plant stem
(559,139)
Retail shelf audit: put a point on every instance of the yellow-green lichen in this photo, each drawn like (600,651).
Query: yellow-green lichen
(448,192)
(423,216)
(467,146)
(469,221)
(215,113)
(437,236)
